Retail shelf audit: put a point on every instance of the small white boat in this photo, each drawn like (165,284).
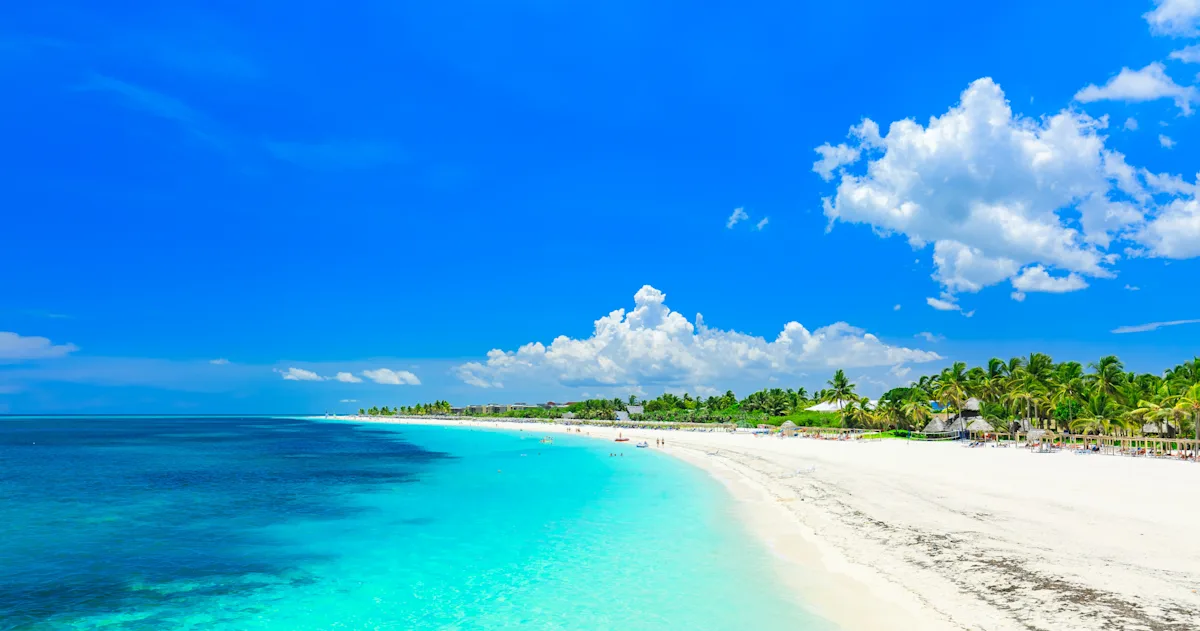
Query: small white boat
(643,445)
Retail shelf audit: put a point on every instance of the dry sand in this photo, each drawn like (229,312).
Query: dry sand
(903,535)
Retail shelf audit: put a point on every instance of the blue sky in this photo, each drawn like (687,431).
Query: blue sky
(408,186)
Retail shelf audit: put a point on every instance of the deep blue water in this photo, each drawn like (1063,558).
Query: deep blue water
(262,523)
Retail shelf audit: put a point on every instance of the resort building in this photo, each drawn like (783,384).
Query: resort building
(968,419)
(836,406)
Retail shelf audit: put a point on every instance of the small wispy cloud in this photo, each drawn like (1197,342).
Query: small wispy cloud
(942,305)
(1132,288)
(38,313)
(896,308)
(154,103)
(15,347)
(929,337)
(1152,326)
(348,401)
(143,99)
(346,377)
(387,376)
(221,361)
(1166,141)
(947,304)
(299,374)
(739,214)
(762,224)
(321,156)
(1131,124)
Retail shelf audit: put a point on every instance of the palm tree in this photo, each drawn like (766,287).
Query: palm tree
(889,413)
(1107,375)
(1158,414)
(1015,364)
(1068,388)
(1100,413)
(1189,403)
(840,389)
(1025,390)
(952,386)
(1185,374)
(856,413)
(917,412)
(988,384)
(1039,366)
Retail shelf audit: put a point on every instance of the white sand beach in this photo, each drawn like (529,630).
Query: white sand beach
(905,535)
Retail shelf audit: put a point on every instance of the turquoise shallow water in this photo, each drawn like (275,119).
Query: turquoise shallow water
(252,523)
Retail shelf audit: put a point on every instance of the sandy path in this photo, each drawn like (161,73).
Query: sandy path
(901,535)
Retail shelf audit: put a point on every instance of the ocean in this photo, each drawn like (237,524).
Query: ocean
(224,523)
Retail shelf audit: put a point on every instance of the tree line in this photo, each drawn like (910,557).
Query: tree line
(420,409)
(1036,392)
(1021,392)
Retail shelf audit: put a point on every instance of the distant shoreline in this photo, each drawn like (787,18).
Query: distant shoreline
(902,535)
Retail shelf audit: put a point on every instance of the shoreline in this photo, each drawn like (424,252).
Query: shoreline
(900,535)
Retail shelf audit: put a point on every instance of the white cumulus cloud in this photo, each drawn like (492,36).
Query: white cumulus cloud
(14,347)
(1134,86)
(300,374)
(739,214)
(1131,124)
(1175,231)
(219,361)
(1037,279)
(391,377)
(1166,141)
(996,193)
(346,377)
(652,345)
(762,224)
(1188,54)
(833,158)
(1174,17)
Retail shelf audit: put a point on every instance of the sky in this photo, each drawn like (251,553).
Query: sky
(230,207)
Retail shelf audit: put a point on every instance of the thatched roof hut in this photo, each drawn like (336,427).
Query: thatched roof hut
(979,425)
(788,428)
(1154,429)
(936,425)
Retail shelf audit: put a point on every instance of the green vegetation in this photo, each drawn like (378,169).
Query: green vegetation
(420,409)
(1035,392)
(1021,393)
